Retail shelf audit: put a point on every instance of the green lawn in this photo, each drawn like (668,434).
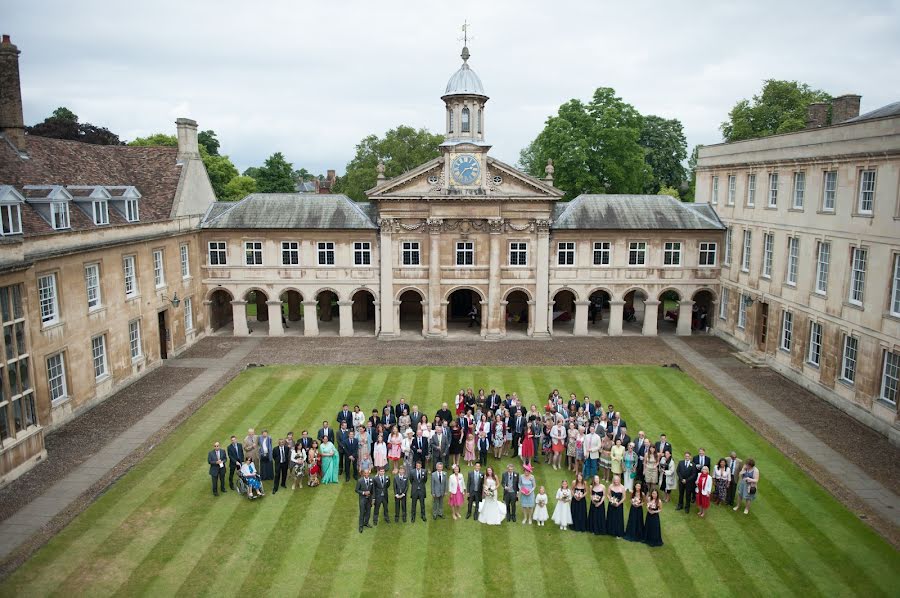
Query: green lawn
(159,530)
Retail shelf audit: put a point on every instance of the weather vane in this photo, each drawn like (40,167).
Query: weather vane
(465,37)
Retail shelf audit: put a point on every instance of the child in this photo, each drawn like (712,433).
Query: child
(562,514)
(470,450)
(540,509)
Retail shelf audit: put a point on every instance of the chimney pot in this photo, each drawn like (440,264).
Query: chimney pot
(6,40)
(816,115)
(844,107)
(12,121)
(188,146)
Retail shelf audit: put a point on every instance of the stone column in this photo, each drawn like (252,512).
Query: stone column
(492,316)
(345,318)
(616,311)
(541,325)
(530,330)
(239,318)
(502,319)
(443,311)
(274,313)
(650,307)
(431,308)
(712,315)
(484,323)
(581,318)
(310,318)
(684,318)
(386,265)
(207,304)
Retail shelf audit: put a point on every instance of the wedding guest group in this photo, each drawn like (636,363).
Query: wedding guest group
(399,453)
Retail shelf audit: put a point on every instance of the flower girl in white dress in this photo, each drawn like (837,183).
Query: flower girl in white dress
(562,514)
(540,509)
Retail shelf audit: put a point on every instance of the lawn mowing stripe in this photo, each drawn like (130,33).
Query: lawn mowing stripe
(193,555)
(495,545)
(712,543)
(159,542)
(92,528)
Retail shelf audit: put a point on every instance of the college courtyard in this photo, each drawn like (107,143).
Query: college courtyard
(124,507)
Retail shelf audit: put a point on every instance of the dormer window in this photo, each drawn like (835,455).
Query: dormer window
(59,215)
(51,202)
(465,120)
(124,199)
(100,210)
(10,211)
(131,210)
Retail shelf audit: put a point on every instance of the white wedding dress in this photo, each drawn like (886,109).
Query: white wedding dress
(492,511)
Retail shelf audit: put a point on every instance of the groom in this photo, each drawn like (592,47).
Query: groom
(474,488)
(510,482)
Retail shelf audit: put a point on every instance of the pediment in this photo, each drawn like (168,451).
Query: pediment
(429,182)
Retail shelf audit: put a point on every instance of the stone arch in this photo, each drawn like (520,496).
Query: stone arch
(705,300)
(635,289)
(517,311)
(214,290)
(713,295)
(220,309)
(327,299)
(671,290)
(410,310)
(563,310)
(257,309)
(599,308)
(292,303)
(362,309)
(463,287)
(634,298)
(457,309)
(565,288)
(520,289)
(403,291)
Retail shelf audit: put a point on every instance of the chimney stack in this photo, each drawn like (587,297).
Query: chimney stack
(844,107)
(188,146)
(331,176)
(816,115)
(12,122)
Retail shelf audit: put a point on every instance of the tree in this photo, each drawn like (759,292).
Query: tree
(663,139)
(303,175)
(219,168)
(276,175)
(595,147)
(252,172)
(63,124)
(238,188)
(156,139)
(779,108)
(669,191)
(208,140)
(692,173)
(400,150)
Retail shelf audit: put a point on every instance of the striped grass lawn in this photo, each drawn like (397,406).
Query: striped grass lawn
(159,531)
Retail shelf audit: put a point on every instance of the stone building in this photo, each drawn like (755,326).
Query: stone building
(811,269)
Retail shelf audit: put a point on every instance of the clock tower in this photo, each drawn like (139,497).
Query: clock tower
(464,148)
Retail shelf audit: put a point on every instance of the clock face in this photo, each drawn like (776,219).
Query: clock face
(465,169)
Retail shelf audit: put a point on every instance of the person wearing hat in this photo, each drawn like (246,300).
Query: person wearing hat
(527,489)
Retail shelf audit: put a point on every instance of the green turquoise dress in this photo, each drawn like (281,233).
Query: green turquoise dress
(329,463)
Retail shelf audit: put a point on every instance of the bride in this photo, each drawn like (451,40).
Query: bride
(492,511)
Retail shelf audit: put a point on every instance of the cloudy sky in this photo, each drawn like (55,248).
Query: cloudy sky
(312,78)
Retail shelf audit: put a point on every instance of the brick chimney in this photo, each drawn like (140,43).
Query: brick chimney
(816,115)
(844,107)
(330,176)
(12,123)
(188,146)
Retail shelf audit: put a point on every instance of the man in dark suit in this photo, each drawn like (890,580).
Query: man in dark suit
(687,479)
(401,408)
(265,456)
(610,412)
(235,459)
(662,445)
(734,465)
(351,449)
(621,419)
(418,483)
(516,423)
(401,488)
(440,447)
(389,419)
(325,431)
(573,403)
(484,445)
(364,489)
(342,435)
(216,459)
(641,449)
(415,416)
(375,419)
(305,440)
(419,448)
(493,400)
(345,415)
(380,494)
(510,483)
(281,456)
(474,490)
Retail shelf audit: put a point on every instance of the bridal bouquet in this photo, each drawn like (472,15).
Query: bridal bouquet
(490,493)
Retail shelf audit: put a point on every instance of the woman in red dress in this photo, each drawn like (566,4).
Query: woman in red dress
(704,489)
(527,447)
(460,401)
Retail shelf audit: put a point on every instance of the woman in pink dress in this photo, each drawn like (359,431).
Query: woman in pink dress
(456,487)
(395,448)
(379,452)
(469,455)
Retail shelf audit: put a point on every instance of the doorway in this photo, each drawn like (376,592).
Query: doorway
(763,325)
(163,335)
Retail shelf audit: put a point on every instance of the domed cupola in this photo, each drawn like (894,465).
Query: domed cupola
(465,100)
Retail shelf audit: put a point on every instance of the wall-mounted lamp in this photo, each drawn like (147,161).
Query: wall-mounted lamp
(748,301)
(175,301)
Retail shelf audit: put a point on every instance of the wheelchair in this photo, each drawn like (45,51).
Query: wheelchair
(243,487)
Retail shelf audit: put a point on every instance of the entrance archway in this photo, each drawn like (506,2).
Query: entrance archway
(598,312)
(633,310)
(257,311)
(705,302)
(517,314)
(292,310)
(363,312)
(668,310)
(410,312)
(563,316)
(220,311)
(328,312)
(459,312)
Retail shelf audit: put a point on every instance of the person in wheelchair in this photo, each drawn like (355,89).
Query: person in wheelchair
(251,478)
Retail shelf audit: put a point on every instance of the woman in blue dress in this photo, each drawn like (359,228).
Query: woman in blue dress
(634,531)
(329,462)
(615,514)
(248,472)
(527,491)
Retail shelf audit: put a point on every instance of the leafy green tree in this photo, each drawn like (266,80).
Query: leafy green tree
(155,140)
(238,188)
(669,191)
(63,124)
(663,139)
(690,192)
(219,168)
(779,108)
(303,175)
(276,175)
(400,150)
(208,140)
(252,172)
(595,147)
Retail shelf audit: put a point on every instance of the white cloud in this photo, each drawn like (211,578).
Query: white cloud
(311,79)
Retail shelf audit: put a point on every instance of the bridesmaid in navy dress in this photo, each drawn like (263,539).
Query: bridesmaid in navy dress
(615,518)
(597,513)
(652,531)
(634,531)
(579,504)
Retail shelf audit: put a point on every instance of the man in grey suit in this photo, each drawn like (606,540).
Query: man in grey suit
(439,484)
(418,482)
(364,490)
(380,494)
(474,488)
(440,447)
(415,416)
(510,483)
(216,459)
(401,487)
(734,466)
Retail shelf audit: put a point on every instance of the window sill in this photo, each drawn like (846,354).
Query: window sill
(790,285)
(96,310)
(826,212)
(130,298)
(101,379)
(862,215)
(882,402)
(815,366)
(137,360)
(772,208)
(47,326)
(851,305)
(785,351)
(892,316)
(750,206)
(847,383)
(60,402)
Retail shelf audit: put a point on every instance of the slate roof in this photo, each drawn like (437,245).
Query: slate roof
(152,170)
(289,211)
(633,212)
(884,111)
